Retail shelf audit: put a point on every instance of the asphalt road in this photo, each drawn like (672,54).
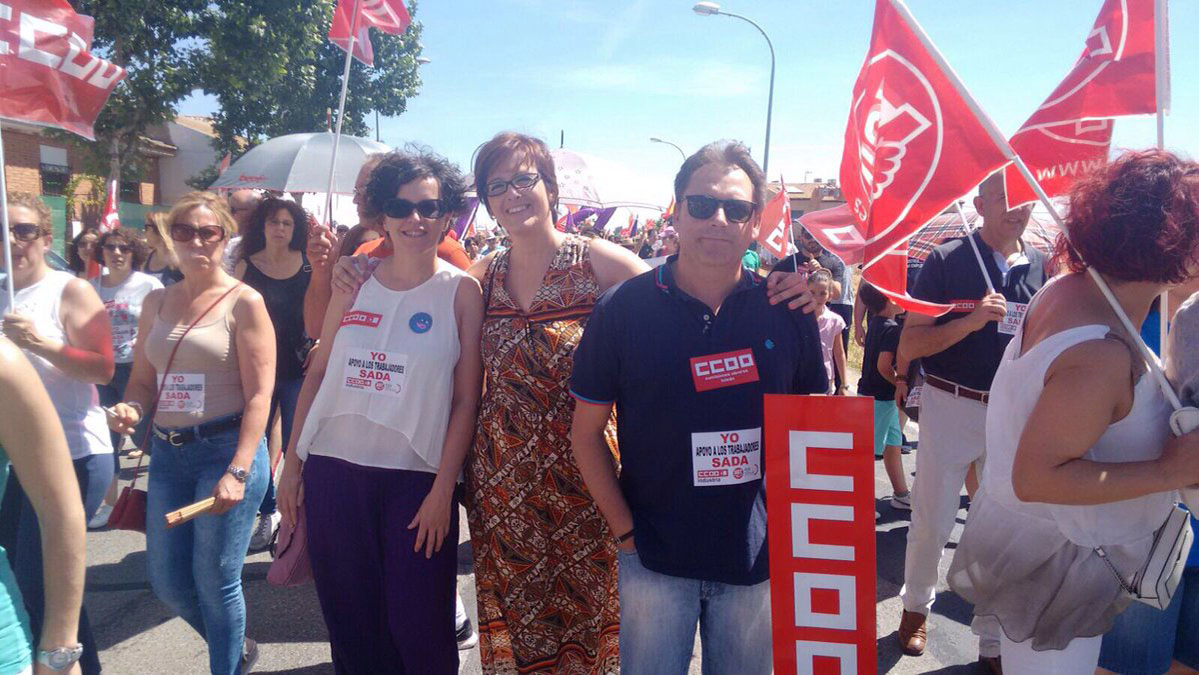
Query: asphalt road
(137,634)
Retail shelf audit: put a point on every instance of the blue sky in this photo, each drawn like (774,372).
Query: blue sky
(613,73)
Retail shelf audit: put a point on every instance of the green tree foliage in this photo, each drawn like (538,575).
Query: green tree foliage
(274,72)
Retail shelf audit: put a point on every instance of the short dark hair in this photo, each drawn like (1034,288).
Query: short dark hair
(400,167)
(254,238)
(732,153)
(1135,219)
(872,298)
(506,144)
(130,236)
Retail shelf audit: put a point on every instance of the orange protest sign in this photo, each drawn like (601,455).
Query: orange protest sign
(820,513)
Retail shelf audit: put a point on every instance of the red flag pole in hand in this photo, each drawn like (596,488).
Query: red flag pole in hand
(341,108)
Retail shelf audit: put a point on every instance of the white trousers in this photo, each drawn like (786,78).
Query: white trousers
(1080,657)
(952,436)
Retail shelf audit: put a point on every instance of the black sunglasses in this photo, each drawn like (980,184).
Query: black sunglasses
(402,208)
(183,233)
(521,181)
(118,248)
(735,210)
(25,231)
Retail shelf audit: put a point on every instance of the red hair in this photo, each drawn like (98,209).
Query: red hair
(1135,219)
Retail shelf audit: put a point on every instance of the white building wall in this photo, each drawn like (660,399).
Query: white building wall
(195,154)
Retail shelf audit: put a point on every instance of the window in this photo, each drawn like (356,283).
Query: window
(56,173)
(131,191)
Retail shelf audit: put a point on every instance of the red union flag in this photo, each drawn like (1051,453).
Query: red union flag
(47,73)
(111,220)
(774,229)
(1070,133)
(389,16)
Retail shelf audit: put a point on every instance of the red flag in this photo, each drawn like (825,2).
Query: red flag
(389,16)
(774,230)
(916,141)
(669,213)
(47,73)
(1070,133)
(111,220)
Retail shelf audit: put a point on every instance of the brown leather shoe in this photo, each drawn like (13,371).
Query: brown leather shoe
(991,664)
(912,633)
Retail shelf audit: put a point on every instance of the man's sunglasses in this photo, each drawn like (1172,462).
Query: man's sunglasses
(25,231)
(735,210)
(521,182)
(118,249)
(402,208)
(184,233)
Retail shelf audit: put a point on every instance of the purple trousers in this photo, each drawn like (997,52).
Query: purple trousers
(388,609)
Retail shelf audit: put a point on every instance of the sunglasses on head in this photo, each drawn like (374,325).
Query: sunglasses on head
(183,233)
(402,208)
(118,248)
(25,231)
(735,210)
(520,182)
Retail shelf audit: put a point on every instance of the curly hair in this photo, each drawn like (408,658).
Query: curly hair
(254,238)
(33,203)
(507,144)
(1135,219)
(414,162)
(137,245)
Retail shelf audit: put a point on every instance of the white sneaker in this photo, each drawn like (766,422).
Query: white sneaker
(100,520)
(902,502)
(467,636)
(264,532)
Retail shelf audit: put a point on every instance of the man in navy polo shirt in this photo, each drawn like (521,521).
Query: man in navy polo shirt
(685,352)
(961,352)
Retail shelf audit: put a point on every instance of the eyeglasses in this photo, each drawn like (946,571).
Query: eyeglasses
(520,182)
(402,208)
(118,248)
(25,231)
(183,233)
(735,210)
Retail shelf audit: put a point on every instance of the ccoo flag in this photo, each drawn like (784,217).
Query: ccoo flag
(916,141)
(774,229)
(1071,132)
(389,16)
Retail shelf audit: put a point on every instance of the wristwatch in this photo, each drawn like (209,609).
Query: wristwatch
(242,475)
(61,658)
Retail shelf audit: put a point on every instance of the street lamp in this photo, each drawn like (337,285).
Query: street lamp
(712,9)
(681,153)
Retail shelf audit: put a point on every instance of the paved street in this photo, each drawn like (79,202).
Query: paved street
(137,635)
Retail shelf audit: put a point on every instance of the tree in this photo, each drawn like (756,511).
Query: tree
(274,71)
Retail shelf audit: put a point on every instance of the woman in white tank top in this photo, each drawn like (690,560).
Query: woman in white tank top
(384,420)
(60,324)
(1078,449)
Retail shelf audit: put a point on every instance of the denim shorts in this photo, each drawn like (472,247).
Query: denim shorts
(1145,640)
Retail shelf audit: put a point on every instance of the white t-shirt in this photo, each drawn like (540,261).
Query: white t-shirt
(124,305)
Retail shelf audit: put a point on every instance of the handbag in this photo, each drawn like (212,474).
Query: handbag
(129,513)
(291,566)
(1154,583)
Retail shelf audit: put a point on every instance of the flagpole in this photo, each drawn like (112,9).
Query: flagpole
(974,245)
(8,275)
(1161,81)
(341,109)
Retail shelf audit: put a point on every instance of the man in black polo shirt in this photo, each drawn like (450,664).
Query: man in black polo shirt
(961,352)
(685,353)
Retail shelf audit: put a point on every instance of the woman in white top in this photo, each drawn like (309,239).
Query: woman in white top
(378,450)
(60,324)
(1079,454)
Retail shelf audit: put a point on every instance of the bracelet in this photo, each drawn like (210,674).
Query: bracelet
(138,407)
(625,537)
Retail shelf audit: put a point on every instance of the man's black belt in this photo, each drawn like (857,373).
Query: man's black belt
(185,435)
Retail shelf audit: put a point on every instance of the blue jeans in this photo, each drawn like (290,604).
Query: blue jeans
(284,399)
(1145,640)
(658,614)
(195,568)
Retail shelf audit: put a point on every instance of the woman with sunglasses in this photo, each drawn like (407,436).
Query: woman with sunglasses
(122,290)
(207,428)
(386,416)
(273,263)
(60,324)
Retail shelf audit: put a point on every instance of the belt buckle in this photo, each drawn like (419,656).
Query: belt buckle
(174,438)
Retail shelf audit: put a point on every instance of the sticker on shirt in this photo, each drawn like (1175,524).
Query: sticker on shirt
(357,317)
(723,370)
(375,372)
(182,393)
(963,305)
(726,457)
(913,399)
(420,322)
(1014,317)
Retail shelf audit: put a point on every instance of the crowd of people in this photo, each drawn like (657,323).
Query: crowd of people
(553,384)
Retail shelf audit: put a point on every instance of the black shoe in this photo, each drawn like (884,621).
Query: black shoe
(467,636)
(249,655)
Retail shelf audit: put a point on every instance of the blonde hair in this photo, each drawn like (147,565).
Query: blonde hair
(33,203)
(194,200)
